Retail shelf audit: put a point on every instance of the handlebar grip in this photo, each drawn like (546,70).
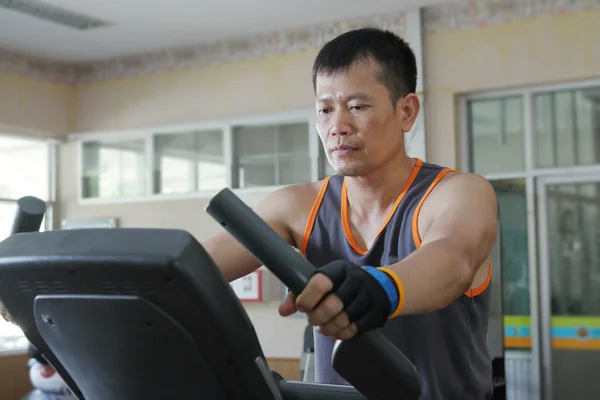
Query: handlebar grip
(262,241)
(29,216)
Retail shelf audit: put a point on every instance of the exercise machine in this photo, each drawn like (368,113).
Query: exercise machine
(307,360)
(146,314)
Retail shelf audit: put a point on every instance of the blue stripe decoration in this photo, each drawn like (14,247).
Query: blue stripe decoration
(517,331)
(573,332)
(580,332)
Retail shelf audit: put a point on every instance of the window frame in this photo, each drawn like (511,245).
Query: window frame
(226,126)
(528,93)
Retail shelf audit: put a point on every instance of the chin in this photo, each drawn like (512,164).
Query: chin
(350,170)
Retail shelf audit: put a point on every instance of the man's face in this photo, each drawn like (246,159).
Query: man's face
(356,120)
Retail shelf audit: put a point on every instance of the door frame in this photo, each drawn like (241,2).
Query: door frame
(592,175)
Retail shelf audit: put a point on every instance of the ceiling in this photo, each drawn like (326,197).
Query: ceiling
(140,26)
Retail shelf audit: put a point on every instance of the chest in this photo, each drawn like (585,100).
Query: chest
(364,231)
(331,234)
(333,237)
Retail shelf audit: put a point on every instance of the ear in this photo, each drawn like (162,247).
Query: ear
(408,108)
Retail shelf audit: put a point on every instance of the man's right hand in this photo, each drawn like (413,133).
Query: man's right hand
(288,307)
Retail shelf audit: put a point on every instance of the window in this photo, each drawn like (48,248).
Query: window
(28,170)
(114,168)
(496,135)
(189,162)
(514,253)
(25,168)
(243,154)
(573,238)
(565,121)
(271,155)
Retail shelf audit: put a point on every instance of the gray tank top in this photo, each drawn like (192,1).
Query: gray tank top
(448,347)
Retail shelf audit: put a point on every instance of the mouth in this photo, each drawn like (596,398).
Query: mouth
(343,149)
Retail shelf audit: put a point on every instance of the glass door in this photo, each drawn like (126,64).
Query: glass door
(569,251)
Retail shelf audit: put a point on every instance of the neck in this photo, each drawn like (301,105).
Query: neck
(379,189)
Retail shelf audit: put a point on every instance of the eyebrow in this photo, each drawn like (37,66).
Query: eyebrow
(354,96)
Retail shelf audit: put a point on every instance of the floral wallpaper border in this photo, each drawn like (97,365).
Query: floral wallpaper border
(473,14)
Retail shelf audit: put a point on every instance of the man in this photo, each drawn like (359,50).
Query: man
(430,228)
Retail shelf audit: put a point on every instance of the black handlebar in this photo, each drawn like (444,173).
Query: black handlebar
(29,216)
(262,241)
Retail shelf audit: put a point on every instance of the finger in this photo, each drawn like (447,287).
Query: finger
(357,306)
(363,322)
(328,309)
(288,307)
(336,271)
(347,333)
(336,325)
(348,290)
(318,286)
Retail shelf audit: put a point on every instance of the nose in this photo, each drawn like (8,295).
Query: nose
(340,124)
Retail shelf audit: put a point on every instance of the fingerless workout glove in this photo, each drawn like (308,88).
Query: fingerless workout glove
(370,295)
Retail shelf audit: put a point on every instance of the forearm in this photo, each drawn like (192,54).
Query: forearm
(232,259)
(434,276)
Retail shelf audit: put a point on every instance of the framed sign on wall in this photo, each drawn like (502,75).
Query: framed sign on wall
(249,287)
(258,286)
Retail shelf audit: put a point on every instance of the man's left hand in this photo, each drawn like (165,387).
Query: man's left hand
(341,300)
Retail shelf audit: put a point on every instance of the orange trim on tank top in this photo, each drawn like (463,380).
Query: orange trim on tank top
(310,223)
(481,288)
(344,209)
(415,221)
(417,237)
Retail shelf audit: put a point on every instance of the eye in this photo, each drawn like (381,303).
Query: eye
(323,110)
(358,108)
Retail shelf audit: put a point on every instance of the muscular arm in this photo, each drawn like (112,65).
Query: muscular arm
(462,218)
(231,257)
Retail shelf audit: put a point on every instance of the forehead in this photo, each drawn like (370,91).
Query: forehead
(359,77)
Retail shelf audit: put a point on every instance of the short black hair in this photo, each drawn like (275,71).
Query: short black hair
(394,55)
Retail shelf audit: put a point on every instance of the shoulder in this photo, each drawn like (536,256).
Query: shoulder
(463,186)
(293,196)
(459,195)
(291,204)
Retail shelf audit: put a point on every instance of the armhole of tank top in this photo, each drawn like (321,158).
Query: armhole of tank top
(481,288)
(415,219)
(310,223)
(417,237)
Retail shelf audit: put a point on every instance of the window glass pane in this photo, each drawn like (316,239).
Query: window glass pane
(113,169)
(271,155)
(565,126)
(7,216)
(11,337)
(514,261)
(189,162)
(25,168)
(573,237)
(8,210)
(497,135)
